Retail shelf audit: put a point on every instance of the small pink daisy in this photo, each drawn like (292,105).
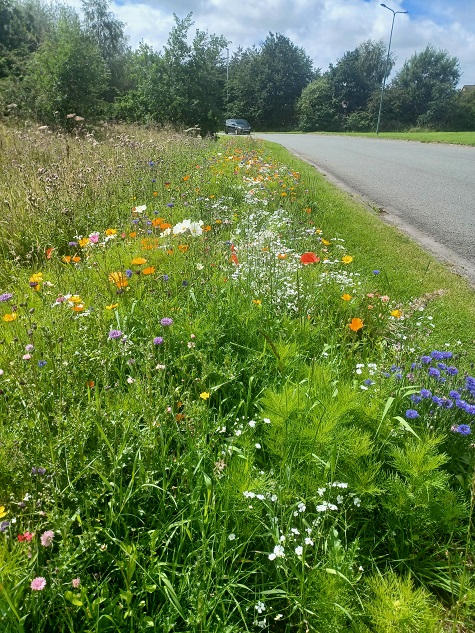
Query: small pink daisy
(76,582)
(38,584)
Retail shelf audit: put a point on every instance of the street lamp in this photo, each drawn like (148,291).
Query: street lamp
(387,62)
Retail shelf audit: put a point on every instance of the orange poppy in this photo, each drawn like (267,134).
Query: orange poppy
(185,178)
(234,259)
(165,225)
(90,384)
(49,252)
(76,259)
(309,258)
(207,228)
(66,259)
(356,324)
(183,247)
(138,261)
(148,271)
(133,234)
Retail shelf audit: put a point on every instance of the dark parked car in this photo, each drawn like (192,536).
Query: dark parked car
(237,126)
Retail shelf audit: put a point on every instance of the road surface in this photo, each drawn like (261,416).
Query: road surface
(426,189)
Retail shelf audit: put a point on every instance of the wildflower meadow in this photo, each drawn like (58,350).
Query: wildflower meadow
(223,409)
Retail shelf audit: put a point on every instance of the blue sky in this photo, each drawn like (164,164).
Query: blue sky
(326,29)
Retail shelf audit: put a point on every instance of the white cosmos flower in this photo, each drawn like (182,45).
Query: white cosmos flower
(196,228)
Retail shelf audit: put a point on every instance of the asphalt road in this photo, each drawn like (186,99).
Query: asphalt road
(426,189)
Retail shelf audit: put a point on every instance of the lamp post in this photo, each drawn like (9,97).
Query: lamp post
(227,79)
(387,62)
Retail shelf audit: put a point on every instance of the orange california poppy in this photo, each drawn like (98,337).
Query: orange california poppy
(309,258)
(49,252)
(138,261)
(119,279)
(149,270)
(355,325)
(165,225)
(76,259)
(234,259)
(183,247)
(66,259)
(282,256)
(133,234)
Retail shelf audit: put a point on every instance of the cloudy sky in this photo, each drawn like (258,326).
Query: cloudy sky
(325,29)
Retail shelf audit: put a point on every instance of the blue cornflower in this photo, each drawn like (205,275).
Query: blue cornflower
(368,381)
(437,355)
(170,204)
(463,429)
(416,398)
(452,371)
(129,273)
(166,277)
(41,363)
(438,401)
(470,408)
(442,366)
(461,404)
(411,413)
(434,373)
(376,272)
(426,360)
(454,394)
(425,393)
(448,404)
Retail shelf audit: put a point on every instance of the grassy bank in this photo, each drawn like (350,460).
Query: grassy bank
(457,138)
(231,399)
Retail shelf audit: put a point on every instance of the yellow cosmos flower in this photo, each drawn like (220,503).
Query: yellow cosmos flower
(9,317)
(138,261)
(347,259)
(204,395)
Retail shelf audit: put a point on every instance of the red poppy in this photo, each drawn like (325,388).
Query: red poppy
(309,258)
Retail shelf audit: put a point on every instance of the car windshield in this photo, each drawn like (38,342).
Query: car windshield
(241,122)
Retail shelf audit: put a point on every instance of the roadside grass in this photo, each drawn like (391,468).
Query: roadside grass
(231,399)
(456,138)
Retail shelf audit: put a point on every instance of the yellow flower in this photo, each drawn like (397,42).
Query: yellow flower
(346,297)
(9,317)
(396,313)
(138,261)
(112,306)
(325,242)
(347,259)
(75,299)
(84,241)
(37,277)
(204,395)
(119,279)
(111,232)
(3,512)
(257,302)
(183,247)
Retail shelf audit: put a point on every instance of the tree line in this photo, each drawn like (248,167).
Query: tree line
(55,63)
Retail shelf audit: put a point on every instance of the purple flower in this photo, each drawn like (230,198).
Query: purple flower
(73,243)
(437,355)
(426,360)
(368,381)
(158,340)
(452,371)
(38,583)
(434,373)
(6,296)
(463,429)
(470,408)
(4,525)
(415,398)
(438,401)
(170,204)
(47,538)
(376,272)
(411,413)
(129,273)
(115,334)
(166,321)
(454,394)
(29,347)
(41,363)
(166,277)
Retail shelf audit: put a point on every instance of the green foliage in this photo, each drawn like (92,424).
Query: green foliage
(266,83)
(317,108)
(67,75)
(397,607)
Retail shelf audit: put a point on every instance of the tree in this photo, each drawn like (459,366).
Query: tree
(424,90)
(266,83)
(358,74)
(108,33)
(67,75)
(316,107)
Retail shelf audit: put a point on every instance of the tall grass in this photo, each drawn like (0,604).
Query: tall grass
(221,411)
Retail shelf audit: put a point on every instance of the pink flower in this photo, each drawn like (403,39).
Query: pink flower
(94,237)
(47,538)
(76,582)
(38,584)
